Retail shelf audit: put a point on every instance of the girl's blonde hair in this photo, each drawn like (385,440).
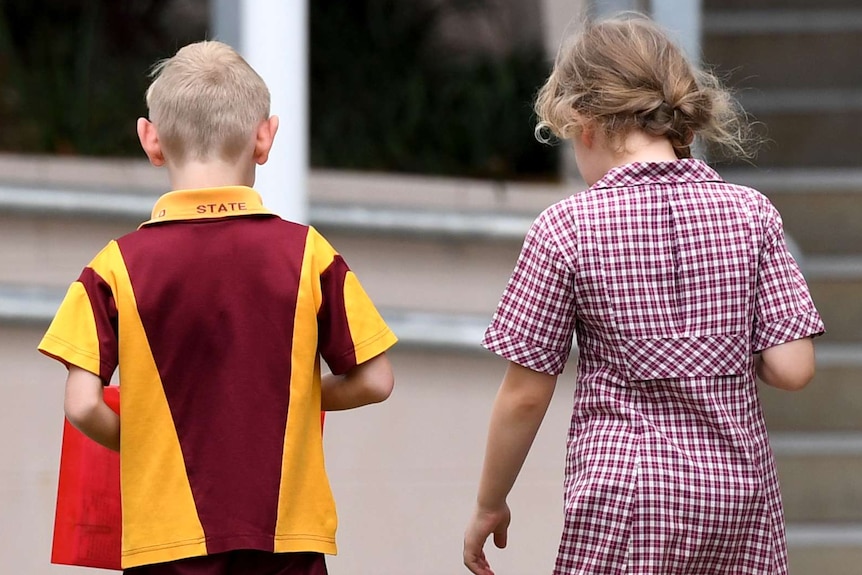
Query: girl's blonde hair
(206,102)
(624,74)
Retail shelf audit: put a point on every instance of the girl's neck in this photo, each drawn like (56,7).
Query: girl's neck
(641,147)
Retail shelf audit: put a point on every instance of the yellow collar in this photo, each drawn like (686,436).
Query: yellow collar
(207,203)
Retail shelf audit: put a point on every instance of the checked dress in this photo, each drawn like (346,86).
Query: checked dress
(671,280)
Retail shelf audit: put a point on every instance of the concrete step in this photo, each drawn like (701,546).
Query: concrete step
(832,402)
(821,208)
(432,274)
(840,304)
(786,60)
(824,549)
(710,6)
(819,474)
(758,55)
(810,138)
(443,274)
(443,260)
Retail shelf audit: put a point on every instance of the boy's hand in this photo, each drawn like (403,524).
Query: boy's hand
(483,523)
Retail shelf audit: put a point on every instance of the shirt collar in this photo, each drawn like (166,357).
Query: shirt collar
(207,203)
(647,173)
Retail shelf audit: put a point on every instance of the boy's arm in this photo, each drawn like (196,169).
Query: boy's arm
(519,409)
(87,411)
(788,366)
(368,382)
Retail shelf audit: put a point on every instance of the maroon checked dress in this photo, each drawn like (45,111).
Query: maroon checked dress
(671,280)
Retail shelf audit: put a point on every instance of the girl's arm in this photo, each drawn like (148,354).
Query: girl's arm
(518,411)
(788,366)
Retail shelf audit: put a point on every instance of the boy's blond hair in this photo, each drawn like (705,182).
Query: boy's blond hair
(625,73)
(206,103)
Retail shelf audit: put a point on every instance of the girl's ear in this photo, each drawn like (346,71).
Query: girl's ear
(587,134)
(149,138)
(585,131)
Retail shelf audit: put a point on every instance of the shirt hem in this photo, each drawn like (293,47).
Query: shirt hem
(199,547)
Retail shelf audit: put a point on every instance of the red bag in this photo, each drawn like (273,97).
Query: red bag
(88,521)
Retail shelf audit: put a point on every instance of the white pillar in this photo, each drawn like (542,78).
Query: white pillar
(272,35)
(606,7)
(683,19)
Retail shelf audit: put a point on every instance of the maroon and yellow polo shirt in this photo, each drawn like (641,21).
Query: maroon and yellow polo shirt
(216,312)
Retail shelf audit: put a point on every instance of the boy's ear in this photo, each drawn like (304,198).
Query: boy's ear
(264,138)
(150,142)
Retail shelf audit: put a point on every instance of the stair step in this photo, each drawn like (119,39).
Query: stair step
(824,548)
(821,207)
(839,303)
(822,223)
(819,475)
(710,6)
(760,22)
(761,62)
(831,493)
(844,267)
(800,101)
(830,403)
(826,138)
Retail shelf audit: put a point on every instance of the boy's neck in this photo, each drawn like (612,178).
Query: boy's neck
(210,174)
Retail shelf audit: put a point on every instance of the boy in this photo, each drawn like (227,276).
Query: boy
(216,312)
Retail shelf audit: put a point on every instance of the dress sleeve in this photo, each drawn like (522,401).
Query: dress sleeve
(83,332)
(535,319)
(350,329)
(783,308)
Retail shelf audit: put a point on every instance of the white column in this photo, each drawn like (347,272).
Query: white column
(606,7)
(683,19)
(272,35)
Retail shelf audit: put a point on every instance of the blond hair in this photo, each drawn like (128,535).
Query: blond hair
(624,73)
(206,102)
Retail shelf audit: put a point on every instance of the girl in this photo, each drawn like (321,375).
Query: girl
(681,291)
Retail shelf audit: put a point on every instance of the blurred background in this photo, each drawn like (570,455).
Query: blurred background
(420,166)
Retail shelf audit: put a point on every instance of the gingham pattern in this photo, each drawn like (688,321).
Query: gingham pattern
(671,279)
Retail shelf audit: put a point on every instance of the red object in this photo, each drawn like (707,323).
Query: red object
(88,522)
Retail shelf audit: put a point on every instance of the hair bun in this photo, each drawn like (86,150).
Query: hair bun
(626,73)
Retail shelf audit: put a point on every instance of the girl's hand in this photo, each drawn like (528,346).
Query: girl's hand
(483,523)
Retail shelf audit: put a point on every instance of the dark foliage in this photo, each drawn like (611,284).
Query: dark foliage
(383,96)
(73,72)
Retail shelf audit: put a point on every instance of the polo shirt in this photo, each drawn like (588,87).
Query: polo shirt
(217,313)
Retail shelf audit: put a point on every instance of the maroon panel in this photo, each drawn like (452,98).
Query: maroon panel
(105,312)
(336,342)
(217,300)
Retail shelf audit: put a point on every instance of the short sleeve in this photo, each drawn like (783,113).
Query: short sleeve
(83,332)
(350,329)
(534,321)
(783,308)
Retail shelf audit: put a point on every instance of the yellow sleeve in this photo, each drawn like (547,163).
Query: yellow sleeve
(84,330)
(351,330)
